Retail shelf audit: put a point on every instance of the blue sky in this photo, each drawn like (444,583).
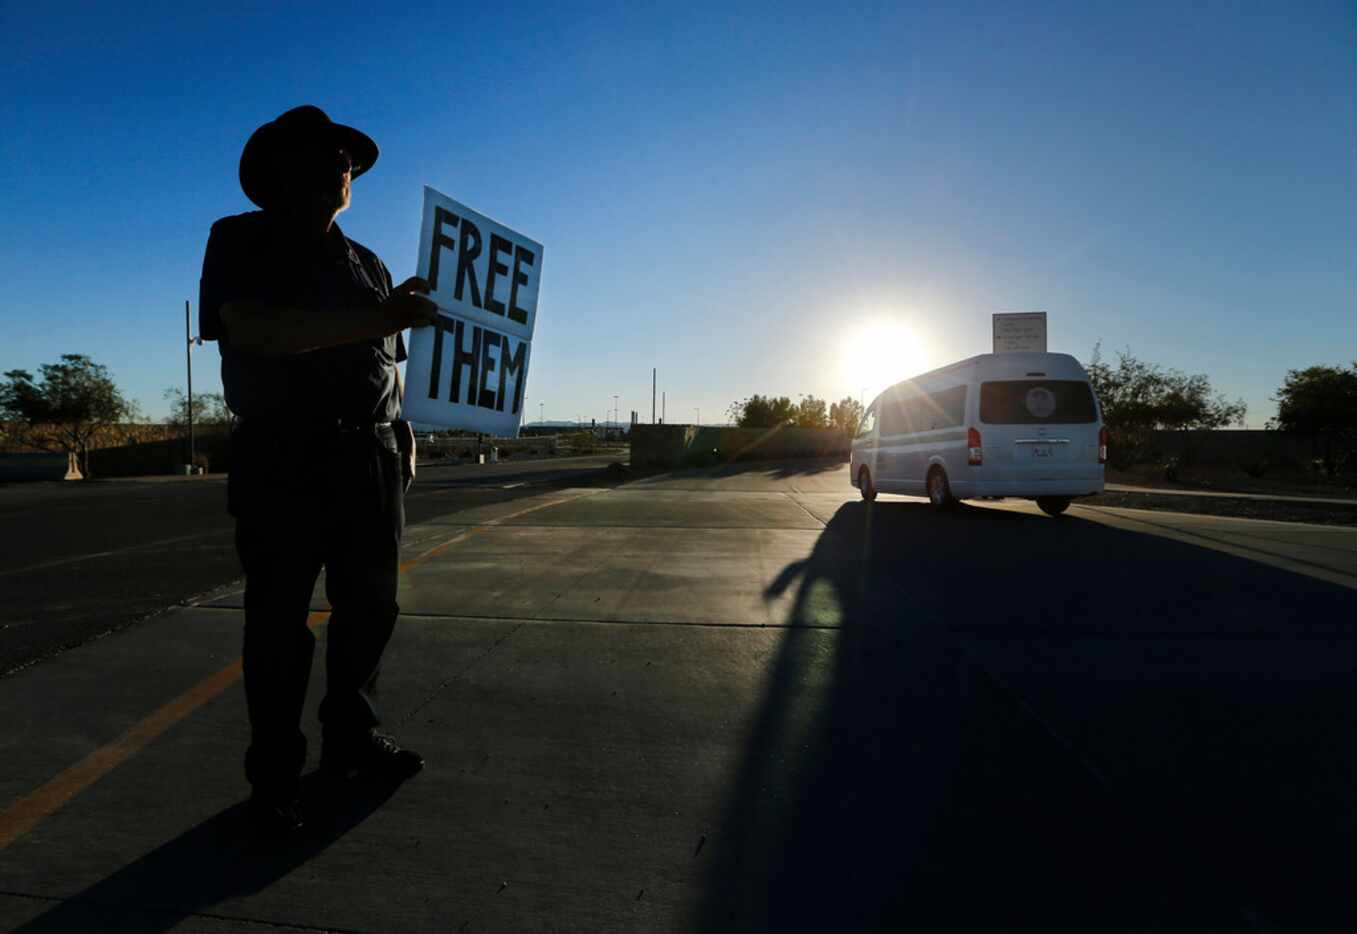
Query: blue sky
(750,198)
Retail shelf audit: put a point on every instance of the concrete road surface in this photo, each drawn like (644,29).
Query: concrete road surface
(741,700)
(134,547)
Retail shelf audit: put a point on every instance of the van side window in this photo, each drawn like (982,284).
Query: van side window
(892,414)
(951,403)
(902,415)
(947,409)
(918,416)
(868,423)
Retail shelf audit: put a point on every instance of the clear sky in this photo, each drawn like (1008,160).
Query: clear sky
(768,199)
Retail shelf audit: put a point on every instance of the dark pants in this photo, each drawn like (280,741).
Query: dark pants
(303,501)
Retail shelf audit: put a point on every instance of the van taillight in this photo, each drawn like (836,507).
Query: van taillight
(975,456)
(1102,445)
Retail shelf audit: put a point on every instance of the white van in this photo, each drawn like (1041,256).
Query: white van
(997,425)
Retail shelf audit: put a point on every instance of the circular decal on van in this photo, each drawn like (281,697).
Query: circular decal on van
(1040,402)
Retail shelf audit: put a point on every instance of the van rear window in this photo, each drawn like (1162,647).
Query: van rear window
(1036,402)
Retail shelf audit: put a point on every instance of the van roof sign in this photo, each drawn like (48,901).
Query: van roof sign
(1020,331)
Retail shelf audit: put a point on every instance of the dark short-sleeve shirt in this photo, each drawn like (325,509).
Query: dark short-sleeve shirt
(249,258)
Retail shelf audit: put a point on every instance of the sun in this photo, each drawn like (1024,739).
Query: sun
(877,354)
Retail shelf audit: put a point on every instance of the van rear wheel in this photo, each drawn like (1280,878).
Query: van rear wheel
(939,490)
(865,484)
(1053,505)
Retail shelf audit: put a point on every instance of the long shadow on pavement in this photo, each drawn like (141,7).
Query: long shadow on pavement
(781,469)
(218,860)
(766,472)
(889,782)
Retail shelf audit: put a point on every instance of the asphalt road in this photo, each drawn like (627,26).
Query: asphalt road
(81,559)
(741,700)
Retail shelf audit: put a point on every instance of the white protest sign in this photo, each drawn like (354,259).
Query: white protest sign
(1021,331)
(469,370)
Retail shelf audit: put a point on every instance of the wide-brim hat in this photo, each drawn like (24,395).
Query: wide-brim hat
(305,124)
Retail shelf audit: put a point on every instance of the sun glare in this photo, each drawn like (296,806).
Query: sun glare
(875,355)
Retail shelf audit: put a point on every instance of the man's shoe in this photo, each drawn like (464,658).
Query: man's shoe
(371,753)
(274,817)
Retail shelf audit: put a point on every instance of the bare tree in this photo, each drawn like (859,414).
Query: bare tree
(209,409)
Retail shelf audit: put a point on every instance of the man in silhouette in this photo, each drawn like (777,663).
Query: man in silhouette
(309,328)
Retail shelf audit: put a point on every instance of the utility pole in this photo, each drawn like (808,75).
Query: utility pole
(663,396)
(541,408)
(188,356)
(653,371)
(699,417)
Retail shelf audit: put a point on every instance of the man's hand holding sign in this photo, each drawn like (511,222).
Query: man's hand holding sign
(409,305)
(278,330)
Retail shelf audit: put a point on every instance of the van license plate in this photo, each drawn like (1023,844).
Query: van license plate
(1042,450)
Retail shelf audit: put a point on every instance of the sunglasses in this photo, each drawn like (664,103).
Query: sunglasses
(321,154)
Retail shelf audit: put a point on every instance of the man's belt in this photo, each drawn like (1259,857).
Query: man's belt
(311,425)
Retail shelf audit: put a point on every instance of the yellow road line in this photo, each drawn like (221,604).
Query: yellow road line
(26,813)
(33,808)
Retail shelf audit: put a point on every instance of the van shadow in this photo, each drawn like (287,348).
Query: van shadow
(216,861)
(889,782)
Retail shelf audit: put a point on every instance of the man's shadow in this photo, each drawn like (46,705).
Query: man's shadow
(221,859)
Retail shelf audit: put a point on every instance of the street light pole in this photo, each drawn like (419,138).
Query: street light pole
(188,356)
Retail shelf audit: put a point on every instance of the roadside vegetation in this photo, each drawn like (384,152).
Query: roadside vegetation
(65,410)
(1155,418)
(1308,450)
(209,409)
(1321,401)
(811,412)
(1139,398)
